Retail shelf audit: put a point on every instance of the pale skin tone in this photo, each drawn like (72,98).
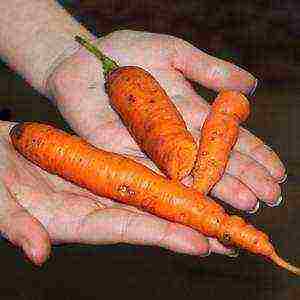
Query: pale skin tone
(38,209)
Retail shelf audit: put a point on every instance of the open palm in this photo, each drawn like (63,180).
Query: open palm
(71,214)
(38,209)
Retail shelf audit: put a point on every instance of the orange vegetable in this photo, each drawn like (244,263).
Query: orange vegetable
(114,176)
(149,115)
(218,136)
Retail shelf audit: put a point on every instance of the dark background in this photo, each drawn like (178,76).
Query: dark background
(261,36)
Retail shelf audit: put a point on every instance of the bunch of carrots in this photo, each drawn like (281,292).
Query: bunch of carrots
(160,131)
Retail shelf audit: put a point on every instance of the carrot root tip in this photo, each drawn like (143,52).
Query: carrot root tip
(284,264)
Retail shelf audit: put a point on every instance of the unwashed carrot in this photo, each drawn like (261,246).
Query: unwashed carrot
(122,179)
(149,115)
(219,134)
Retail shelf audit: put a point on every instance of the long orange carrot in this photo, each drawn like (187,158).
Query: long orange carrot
(218,135)
(116,177)
(149,115)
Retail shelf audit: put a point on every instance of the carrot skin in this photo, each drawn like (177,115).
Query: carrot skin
(218,136)
(153,120)
(114,176)
(149,115)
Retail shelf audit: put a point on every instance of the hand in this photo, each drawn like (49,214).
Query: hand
(254,170)
(38,209)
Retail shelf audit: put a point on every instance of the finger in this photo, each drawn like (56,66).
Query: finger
(235,193)
(254,147)
(191,105)
(248,180)
(232,191)
(23,230)
(195,110)
(217,247)
(118,226)
(158,230)
(255,176)
(211,72)
(235,190)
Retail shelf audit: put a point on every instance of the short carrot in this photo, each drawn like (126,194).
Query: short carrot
(122,179)
(219,134)
(149,115)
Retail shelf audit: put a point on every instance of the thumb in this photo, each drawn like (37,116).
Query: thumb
(23,230)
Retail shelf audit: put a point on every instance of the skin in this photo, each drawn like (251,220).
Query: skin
(38,209)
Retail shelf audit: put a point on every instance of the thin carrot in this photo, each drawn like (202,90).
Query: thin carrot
(218,136)
(122,179)
(149,115)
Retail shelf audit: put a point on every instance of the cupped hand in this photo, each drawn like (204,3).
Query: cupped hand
(254,170)
(38,209)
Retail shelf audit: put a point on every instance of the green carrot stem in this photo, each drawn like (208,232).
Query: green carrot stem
(108,64)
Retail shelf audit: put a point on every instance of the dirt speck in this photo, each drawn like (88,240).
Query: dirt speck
(124,189)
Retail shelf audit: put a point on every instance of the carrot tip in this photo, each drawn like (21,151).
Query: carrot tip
(284,264)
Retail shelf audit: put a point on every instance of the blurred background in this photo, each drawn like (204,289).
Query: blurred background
(261,36)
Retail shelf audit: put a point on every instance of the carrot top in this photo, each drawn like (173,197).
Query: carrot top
(108,64)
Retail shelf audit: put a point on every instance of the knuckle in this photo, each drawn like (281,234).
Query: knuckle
(126,224)
(165,234)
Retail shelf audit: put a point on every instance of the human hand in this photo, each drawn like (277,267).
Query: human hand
(254,171)
(38,209)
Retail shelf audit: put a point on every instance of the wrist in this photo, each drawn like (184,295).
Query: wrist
(64,46)
(58,72)
(41,81)
(46,86)
(41,37)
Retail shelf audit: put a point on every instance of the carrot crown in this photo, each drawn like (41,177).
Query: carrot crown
(108,64)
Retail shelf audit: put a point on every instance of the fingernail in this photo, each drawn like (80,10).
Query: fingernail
(252,91)
(28,249)
(206,254)
(269,148)
(284,178)
(277,203)
(30,252)
(33,257)
(255,209)
(232,253)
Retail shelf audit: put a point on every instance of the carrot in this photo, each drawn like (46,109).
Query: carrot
(149,115)
(122,179)
(218,136)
